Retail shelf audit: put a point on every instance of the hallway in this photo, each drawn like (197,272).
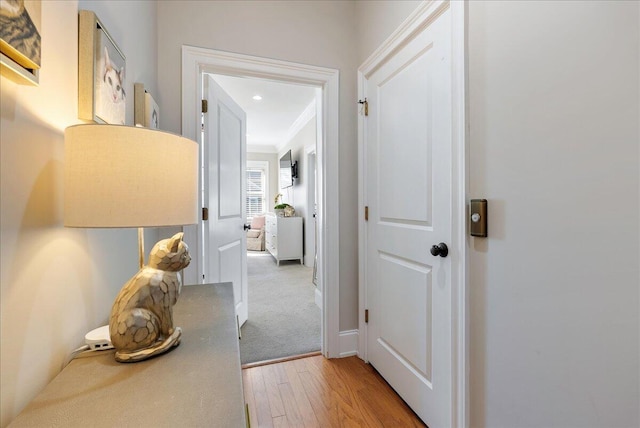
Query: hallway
(314,391)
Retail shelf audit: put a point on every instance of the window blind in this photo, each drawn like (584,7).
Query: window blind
(255,192)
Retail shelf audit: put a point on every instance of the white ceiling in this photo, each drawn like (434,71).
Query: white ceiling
(270,120)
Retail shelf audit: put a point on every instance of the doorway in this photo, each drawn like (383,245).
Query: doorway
(283,318)
(196,62)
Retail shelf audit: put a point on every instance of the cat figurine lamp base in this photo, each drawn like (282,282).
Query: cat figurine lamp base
(141,321)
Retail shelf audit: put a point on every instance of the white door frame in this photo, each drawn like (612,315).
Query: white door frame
(420,18)
(195,62)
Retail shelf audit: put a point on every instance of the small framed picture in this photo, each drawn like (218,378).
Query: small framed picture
(146,111)
(101,74)
(20,41)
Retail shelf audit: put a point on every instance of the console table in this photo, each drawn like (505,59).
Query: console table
(198,383)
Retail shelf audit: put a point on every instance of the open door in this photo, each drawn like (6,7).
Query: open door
(224,172)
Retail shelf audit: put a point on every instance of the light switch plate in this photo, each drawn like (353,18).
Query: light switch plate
(478,218)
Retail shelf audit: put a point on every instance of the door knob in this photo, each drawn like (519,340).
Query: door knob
(440,250)
(247,227)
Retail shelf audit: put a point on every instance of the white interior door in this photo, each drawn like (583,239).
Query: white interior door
(408,191)
(225,195)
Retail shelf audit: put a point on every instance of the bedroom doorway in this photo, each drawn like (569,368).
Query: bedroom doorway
(198,61)
(283,319)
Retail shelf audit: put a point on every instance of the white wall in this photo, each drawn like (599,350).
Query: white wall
(554,141)
(317,33)
(296,195)
(57,283)
(554,148)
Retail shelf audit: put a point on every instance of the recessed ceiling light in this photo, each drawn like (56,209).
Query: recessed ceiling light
(257,97)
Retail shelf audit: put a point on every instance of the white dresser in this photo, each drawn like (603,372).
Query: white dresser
(284,237)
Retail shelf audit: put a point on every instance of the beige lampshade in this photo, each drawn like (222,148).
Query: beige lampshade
(121,176)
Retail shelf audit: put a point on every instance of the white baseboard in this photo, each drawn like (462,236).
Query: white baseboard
(348,343)
(318,298)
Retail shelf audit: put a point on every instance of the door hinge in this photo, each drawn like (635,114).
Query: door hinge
(366,315)
(205,106)
(205,213)
(365,105)
(366,213)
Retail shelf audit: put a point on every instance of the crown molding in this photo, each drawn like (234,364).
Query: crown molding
(304,118)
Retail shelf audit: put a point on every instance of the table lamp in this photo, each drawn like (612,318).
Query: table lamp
(118,177)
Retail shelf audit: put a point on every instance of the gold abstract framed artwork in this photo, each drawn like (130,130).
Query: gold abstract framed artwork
(101,73)
(20,40)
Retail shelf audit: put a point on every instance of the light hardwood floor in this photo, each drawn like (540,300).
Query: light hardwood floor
(316,392)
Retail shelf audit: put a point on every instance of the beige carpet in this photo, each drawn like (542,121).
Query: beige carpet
(283,317)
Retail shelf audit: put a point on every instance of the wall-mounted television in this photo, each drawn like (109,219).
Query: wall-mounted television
(288,170)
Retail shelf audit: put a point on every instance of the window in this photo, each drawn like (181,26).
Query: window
(256,189)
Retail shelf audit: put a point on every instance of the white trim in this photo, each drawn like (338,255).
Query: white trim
(260,148)
(318,298)
(304,118)
(362,231)
(459,238)
(196,61)
(419,19)
(348,343)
